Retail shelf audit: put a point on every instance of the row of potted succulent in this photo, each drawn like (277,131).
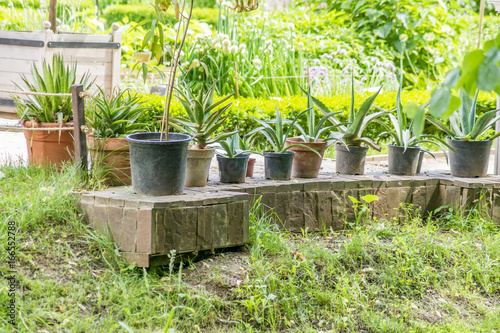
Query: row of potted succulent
(111,118)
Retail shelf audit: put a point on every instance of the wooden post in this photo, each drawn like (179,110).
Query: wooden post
(497,142)
(53,15)
(79,122)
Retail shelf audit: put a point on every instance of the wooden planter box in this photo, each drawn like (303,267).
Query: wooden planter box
(99,54)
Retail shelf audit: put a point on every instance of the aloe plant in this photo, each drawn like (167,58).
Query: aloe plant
(277,136)
(350,134)
(115,116)
(465,124)
(56,78)
(205,117)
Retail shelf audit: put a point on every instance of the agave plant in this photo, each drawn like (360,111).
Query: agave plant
(314,130)
(56,78)
(115,116)
(277,136)
(350,134)
(408,124)
(465,124)
(205,117)
(233,146)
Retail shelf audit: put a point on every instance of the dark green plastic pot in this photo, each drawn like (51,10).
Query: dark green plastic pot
(350,161)
(403,161)
(469,159)
(278,166)
(232,169)
(158,167)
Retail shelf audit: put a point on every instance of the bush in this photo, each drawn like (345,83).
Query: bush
(138,13)
(263,108)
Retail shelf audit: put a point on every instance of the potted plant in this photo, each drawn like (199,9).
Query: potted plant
(204,120)
(48,119)
(158,159)
(232,160)
(306,163)
(469,137)
(406,134)
(350,149)
(278,162)
(110,120)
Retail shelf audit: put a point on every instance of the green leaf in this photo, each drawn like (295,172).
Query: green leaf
(411,109)
(369,198)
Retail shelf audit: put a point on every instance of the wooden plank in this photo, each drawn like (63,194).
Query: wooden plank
(79,122)
(88,55)
(13,52)
(16,65)
(34,35)
(69,37)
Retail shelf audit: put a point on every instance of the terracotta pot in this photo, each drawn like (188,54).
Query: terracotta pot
(198,166)
(114,155)
(50,146)
(306,164)
(250,165)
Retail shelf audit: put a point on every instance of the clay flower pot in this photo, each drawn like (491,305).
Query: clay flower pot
(114,155)
(198,166)
(250,165)
(306,163)
(50,146)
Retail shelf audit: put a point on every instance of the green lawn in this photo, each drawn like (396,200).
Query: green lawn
(411,274)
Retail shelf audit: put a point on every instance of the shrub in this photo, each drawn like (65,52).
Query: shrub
(138,13)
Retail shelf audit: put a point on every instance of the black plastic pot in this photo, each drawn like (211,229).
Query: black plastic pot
(469,159)
(278,166)
(403,162)
(420,160)
(158,167)
(232,169)
(350,161)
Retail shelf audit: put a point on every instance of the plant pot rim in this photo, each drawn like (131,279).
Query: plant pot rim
(135,137)
(241,156)
(272,152)
(204,149)
(341,146)
(457,140)
(28,124)
(409,147)
(296,138)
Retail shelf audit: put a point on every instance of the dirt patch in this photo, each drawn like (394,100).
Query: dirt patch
(219,274)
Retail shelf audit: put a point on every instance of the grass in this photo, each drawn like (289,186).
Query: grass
(412,274)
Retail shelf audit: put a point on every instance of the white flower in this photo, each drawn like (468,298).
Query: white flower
(226,43)
(429,37)
(199,37)
(263,38)
(403,38)
(243,46)
(291,26)
(256,62)
(195,63)
(217,46)
(227,4)
(446,29)
(233,49)
(300,44)
(354,61)
(215,41)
